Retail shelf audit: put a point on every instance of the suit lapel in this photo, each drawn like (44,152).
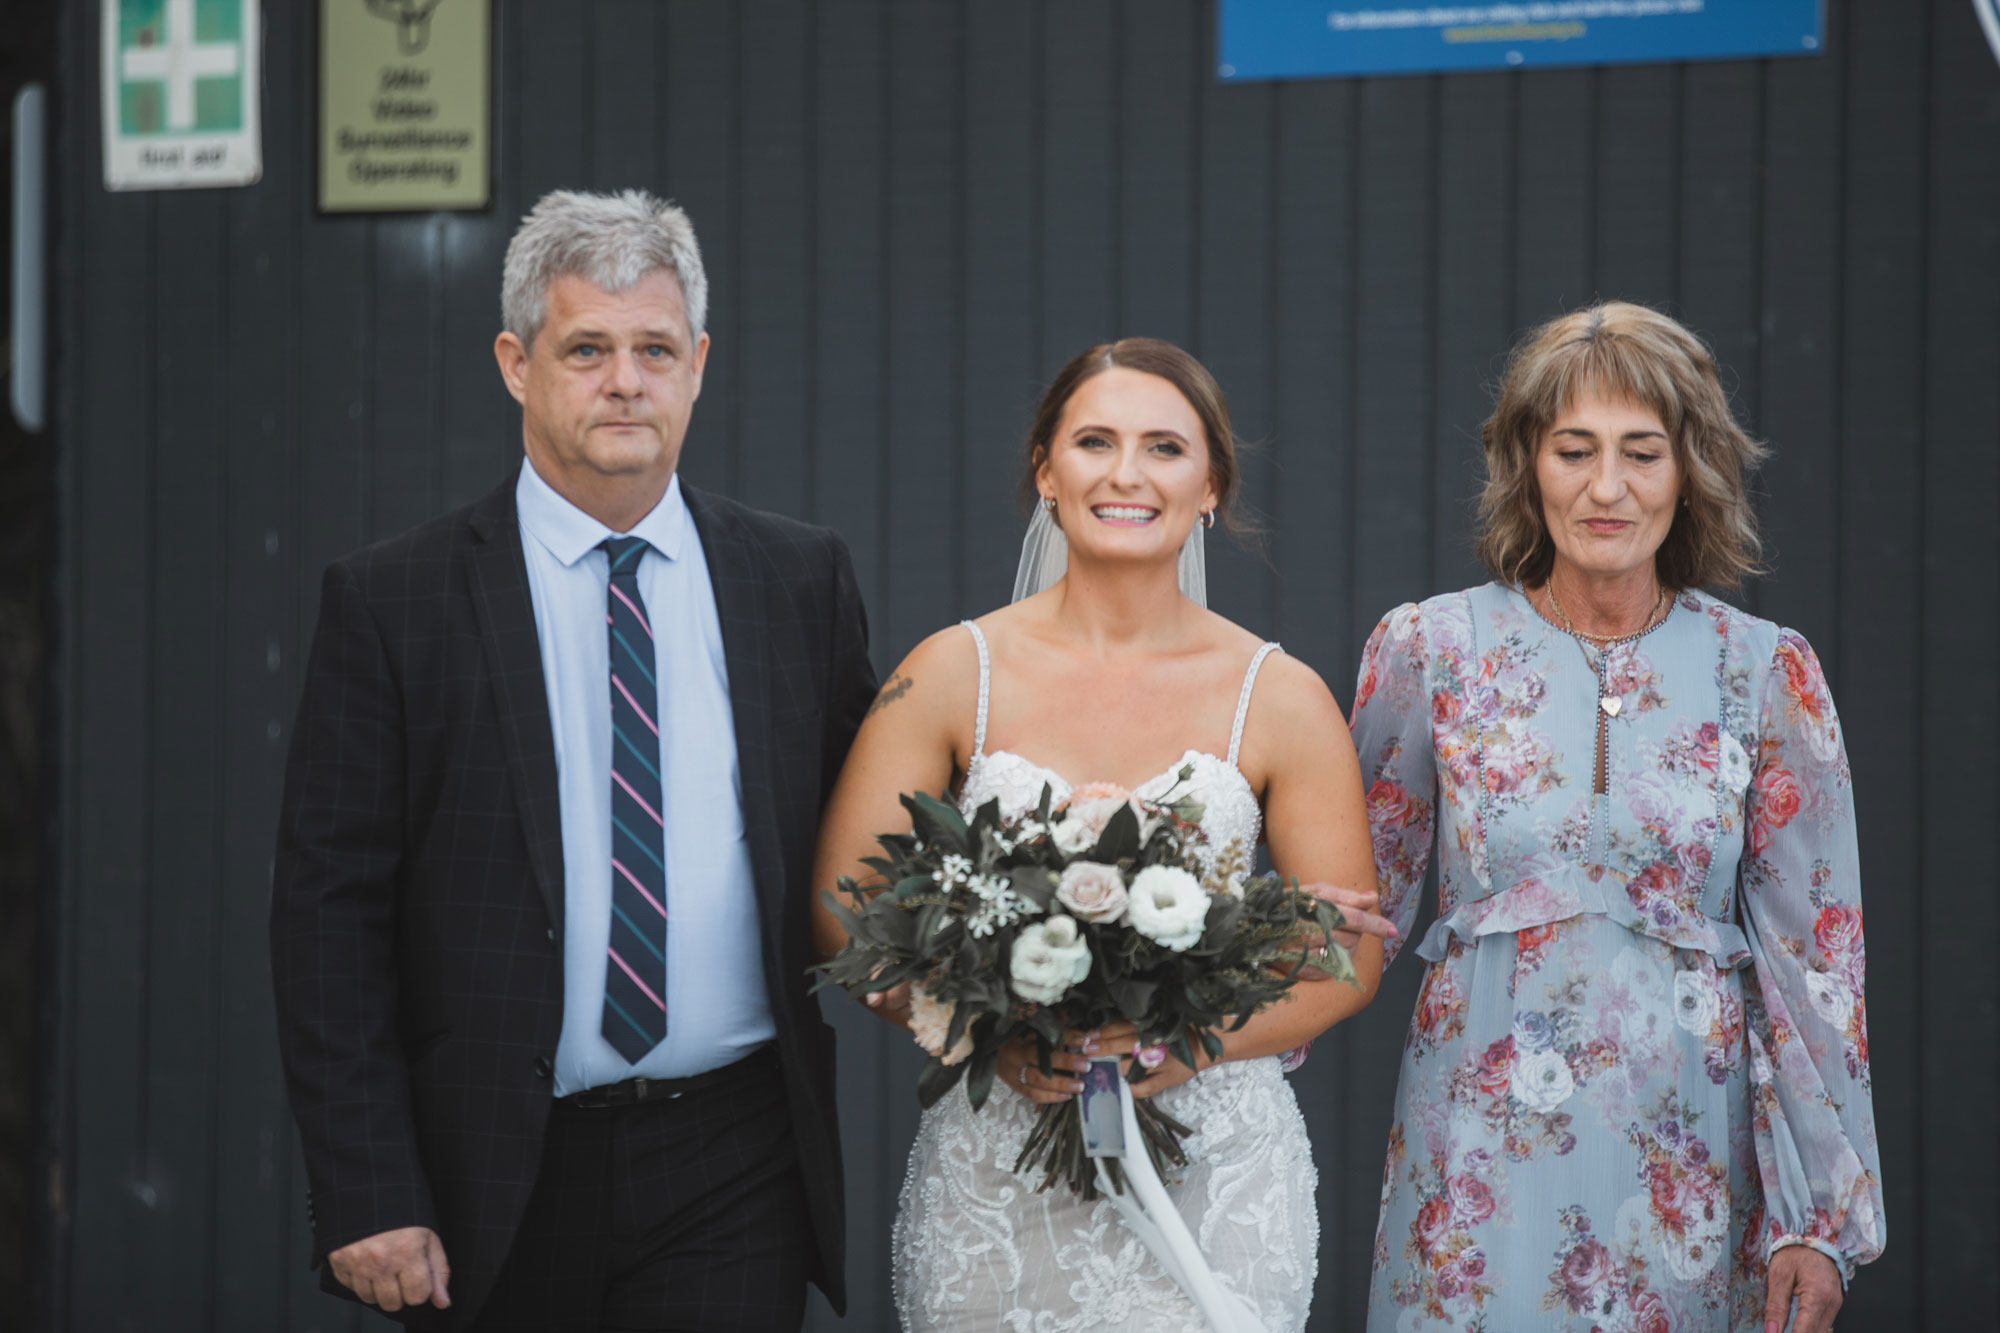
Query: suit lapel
(734,572)
(506,613)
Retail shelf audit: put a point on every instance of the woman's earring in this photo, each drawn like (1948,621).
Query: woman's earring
(1208,518)
(1049,503)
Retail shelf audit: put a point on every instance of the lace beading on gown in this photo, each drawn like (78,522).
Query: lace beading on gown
(977,1248)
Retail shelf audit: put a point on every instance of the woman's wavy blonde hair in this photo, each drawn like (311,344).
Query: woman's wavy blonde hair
(1620,349)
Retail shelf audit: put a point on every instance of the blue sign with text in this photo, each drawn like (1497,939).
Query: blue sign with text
(1295,39)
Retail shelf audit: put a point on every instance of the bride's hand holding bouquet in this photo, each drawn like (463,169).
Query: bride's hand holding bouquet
(1101,926)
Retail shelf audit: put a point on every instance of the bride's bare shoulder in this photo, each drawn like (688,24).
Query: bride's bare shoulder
(1229,638)
(1286,687)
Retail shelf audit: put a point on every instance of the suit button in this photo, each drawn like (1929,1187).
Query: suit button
(552,934)
(543,1069)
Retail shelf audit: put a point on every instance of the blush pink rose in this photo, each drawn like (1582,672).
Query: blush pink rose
(1092,892)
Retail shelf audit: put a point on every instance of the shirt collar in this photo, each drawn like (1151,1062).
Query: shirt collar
(569,534)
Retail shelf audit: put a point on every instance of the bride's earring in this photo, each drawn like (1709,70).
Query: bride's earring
(1049,503)
(1208,518)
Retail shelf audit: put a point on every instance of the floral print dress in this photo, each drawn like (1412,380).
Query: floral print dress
(1639,1059)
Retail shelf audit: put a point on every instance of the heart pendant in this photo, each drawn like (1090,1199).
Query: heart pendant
(1611,703)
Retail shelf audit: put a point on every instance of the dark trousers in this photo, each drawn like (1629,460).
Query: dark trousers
(672,1213)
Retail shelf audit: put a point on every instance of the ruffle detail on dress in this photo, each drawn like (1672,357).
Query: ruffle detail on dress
(1561,894)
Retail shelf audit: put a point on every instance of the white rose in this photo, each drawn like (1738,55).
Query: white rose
(930,1024)
(1830,998)
(1697,1002)
(1541,1080)
(1073,837)
(1168,906)
(1092,891)
(1047,959)
(1732,764)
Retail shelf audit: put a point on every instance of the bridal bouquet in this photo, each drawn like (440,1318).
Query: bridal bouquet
(1072,917)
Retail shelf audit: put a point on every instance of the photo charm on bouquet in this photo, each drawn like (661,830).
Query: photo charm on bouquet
(1103,1117)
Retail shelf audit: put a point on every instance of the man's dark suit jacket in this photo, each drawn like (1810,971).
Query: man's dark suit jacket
(417,909)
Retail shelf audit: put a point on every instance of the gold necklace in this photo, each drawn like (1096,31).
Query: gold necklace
(1606,700)
(1603,640)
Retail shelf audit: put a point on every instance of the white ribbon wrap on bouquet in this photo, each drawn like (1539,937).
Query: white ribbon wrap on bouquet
(1151,1216)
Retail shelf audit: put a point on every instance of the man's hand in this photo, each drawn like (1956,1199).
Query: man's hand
(393,1269)
(1800,1272)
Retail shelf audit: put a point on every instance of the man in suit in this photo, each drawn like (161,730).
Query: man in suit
(540,924)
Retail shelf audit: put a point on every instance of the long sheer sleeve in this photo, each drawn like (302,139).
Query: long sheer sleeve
(1392,735)
(1801,892)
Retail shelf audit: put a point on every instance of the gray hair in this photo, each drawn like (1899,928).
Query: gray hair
(611,241)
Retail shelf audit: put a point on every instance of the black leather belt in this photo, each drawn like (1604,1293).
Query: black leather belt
(635,1090)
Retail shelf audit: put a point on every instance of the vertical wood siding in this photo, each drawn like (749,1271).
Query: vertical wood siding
(913,212)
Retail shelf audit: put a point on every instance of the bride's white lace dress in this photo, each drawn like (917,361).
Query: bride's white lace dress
(977,1248)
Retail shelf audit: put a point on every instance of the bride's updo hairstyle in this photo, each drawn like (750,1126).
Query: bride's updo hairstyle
(1149,356)
(1620,349)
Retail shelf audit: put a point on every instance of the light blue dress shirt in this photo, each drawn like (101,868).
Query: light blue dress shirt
(716,1006)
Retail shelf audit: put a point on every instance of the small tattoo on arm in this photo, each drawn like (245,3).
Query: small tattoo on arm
(898,686)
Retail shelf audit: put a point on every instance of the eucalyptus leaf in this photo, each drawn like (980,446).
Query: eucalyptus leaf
(937,1079)
(1134,997)
(1120,839)
(979,1078)
(1034,883)
(938,823)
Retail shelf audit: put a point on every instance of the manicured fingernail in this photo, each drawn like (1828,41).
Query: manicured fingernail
(1770,1326)
(1089,1045)
(1074,1086)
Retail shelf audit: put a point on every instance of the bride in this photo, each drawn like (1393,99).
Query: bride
(1113,675)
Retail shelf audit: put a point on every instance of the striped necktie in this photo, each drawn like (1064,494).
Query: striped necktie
(635,975)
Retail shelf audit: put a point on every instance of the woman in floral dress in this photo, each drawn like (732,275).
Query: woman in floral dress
(1635,1092)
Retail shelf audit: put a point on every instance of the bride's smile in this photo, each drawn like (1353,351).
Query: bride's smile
(1128,468)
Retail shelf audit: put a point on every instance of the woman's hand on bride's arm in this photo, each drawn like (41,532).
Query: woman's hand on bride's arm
(909,741)
(1358,907)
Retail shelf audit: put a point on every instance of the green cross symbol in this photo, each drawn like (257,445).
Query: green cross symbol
(180,66)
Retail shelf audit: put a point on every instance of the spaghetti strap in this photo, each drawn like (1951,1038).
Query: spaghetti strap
(985,678)
(1242,700)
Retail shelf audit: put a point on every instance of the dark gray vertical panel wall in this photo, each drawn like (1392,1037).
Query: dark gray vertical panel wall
(914,212)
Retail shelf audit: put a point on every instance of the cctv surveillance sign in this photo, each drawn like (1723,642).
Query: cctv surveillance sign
(180,93)
(405,105)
